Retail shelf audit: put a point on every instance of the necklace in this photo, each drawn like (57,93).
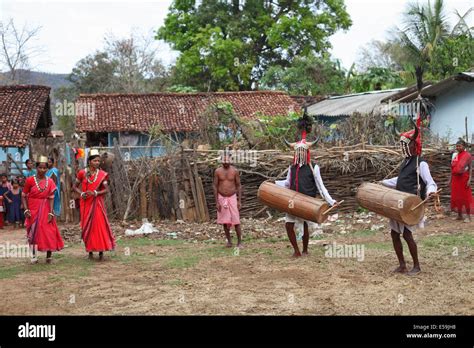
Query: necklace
(89,174)
(38,186)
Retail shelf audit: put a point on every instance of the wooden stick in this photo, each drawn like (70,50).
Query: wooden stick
(333,207)
(423,202)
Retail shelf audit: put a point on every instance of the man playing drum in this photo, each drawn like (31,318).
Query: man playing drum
(409,181)
(305,178)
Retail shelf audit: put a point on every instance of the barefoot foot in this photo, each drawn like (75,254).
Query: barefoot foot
(295,255)
(400,269)
(415,270)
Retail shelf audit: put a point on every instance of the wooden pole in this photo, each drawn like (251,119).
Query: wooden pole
(174,184)
(15,163)
(204,213)
(467,133)
(193,190)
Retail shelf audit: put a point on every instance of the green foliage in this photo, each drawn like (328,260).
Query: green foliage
(454,55)
(376,79)
(275,129)
(227,45)
(181,89)
(429,44)
(306,76)
(218,118)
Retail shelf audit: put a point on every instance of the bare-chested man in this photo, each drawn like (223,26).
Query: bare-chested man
(228,194)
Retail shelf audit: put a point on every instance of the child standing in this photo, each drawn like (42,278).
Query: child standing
(13,197)
(5,186)
(2,209)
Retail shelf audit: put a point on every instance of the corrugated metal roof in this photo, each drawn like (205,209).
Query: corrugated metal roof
(436,89)
(346,105)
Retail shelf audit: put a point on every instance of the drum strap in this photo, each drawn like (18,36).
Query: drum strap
(418,188)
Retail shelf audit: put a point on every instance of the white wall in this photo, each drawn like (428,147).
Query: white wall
(452,106)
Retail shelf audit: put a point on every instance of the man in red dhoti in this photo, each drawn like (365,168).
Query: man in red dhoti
(461,173)
(38,197)
(96,232)
(228,194)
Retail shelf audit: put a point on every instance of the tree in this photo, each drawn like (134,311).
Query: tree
(456,52)
(306,76)
(425,28)
(230,44)
(126,65)
(381,54)
(16,49)
(376,79)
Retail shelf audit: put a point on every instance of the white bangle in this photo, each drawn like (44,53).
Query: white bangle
(95,193)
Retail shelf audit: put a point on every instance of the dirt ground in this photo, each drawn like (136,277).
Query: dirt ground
(186,270)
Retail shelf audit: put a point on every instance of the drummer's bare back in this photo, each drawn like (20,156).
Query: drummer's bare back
(227,180)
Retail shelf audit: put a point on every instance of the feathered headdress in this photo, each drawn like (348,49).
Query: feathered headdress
(302,147)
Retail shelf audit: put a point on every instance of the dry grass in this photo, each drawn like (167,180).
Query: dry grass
(188,277)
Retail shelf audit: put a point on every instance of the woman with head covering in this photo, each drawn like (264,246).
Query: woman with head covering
(37,197)
(461,173)
(91,184)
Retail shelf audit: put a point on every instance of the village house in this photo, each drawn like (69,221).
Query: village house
(25,118)
(127,118)
(453,99)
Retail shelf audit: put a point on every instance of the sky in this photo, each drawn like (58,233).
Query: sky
(72,29)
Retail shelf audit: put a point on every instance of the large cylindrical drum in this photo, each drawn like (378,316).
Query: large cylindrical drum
(390,203)
(292,202)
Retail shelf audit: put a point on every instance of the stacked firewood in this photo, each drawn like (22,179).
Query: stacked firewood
(343,169)
(180,186)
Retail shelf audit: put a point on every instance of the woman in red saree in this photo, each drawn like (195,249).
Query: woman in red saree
(38,197)
(96,232)
(461,172)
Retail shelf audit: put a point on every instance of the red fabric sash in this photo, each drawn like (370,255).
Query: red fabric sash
(460,162)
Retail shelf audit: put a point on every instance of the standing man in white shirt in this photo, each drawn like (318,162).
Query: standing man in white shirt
(415,178)
(303,177)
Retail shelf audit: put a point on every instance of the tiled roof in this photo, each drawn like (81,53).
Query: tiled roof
(172,111)
(306,100)
(21,108)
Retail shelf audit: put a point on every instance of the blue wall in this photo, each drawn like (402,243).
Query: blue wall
(20,155)
(452,106)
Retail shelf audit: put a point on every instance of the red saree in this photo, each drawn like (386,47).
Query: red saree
(41,234)
(461,196)
(96,232)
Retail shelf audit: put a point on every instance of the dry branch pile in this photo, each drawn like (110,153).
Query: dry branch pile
(343,169)
(180,186)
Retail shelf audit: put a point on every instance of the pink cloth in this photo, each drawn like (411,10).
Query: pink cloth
(229,214)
